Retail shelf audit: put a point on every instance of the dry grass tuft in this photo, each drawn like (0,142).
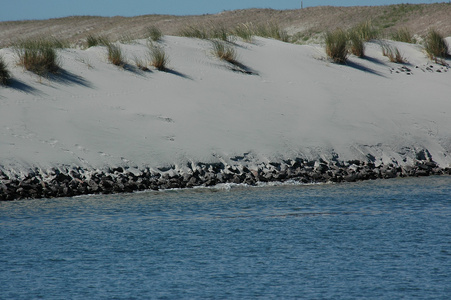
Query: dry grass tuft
(158,57)
(140,64)
(224,51)
(115,55)
(336,46)
(392,53)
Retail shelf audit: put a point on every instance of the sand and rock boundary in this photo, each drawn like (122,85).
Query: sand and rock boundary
(73,181)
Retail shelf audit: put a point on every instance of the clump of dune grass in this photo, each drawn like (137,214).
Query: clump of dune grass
(392,53)
(224,51)
(403,35)
(158,57)
(436,46)
(356,44)
(154,33)
(5,75)
(366,31)
(336,46)
(93,40)
(38,55)
(115,55)
(244,31)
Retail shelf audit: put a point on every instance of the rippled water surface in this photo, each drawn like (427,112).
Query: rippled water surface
(377,239)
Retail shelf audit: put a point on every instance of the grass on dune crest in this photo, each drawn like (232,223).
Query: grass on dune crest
(244,30)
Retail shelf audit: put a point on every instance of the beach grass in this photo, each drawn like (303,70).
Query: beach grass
(193,31)
(115,55)
(140,63)
(5,75)
(392,53)
(403,35)
(336,45)
(158,57)
(93,40)
(217,31)
(436,46)
(154,34)
(366,31)
(244,31)
(271,30)
(39,55)
(224,51)
(220,32)
(356,43)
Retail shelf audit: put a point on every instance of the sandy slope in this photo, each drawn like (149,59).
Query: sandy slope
(298,104)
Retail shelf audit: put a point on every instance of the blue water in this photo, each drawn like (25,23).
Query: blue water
(375,240)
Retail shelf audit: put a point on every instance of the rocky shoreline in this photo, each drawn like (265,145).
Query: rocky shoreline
(73,181)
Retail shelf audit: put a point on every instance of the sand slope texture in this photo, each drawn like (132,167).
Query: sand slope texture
(283,102)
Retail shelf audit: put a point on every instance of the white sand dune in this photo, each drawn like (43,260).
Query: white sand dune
(297,104)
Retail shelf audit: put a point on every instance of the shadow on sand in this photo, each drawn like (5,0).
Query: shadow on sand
(135,70)
(358,66)
(177,73)
(18,85)
(69,78)
(241,68)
